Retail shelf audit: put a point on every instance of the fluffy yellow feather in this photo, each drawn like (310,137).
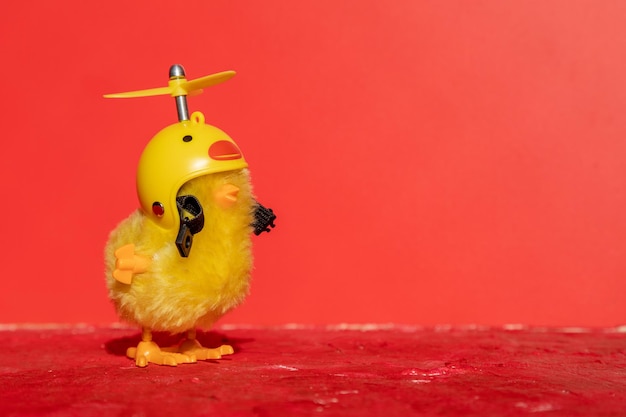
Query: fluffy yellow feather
(177,294)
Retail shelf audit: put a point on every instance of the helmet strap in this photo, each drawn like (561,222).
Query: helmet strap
(191,222)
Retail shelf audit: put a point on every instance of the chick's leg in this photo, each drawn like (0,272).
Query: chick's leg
(192,347)
(149,352)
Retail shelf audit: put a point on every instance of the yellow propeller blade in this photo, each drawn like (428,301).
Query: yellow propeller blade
(208,81)
(141,93)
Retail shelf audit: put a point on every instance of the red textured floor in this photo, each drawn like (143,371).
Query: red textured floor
(396,371)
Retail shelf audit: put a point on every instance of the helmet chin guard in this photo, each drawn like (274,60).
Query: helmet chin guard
(191,222)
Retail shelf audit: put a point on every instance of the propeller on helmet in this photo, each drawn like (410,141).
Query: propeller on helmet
(179,88)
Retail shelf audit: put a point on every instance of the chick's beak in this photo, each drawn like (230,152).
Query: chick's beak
(226,195)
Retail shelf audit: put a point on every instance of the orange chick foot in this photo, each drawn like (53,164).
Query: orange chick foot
(149,352)
(193,348)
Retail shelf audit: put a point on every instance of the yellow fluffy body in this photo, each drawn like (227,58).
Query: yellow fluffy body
(176,294)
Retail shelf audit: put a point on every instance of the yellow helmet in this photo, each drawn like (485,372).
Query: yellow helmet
(180,152)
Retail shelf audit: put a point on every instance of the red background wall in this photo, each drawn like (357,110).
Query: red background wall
(430,162)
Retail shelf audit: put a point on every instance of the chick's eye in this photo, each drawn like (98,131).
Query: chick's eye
(187,138)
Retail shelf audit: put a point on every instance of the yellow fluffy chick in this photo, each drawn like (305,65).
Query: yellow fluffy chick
(171,293)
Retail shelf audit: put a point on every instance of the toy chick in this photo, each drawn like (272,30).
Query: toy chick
(183,259)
